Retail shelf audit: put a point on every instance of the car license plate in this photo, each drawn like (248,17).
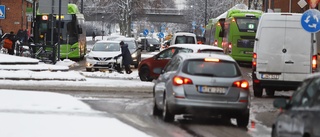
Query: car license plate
(270,76)
(215,90)
(103,63)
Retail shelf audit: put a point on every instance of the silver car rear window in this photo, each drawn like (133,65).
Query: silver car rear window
(213,69)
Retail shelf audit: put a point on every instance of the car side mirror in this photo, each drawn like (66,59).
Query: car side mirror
(168,43)
(280,103)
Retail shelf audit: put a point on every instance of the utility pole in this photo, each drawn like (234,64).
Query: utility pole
(205,13)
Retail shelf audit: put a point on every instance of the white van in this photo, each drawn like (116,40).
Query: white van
(183,38)
(284,53)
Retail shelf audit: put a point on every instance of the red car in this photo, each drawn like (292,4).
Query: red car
(160,60)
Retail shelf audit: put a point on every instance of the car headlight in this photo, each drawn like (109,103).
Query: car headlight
(151,45)
(89,57)
(134,55)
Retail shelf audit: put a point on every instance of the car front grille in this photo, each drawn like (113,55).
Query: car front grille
(102,58)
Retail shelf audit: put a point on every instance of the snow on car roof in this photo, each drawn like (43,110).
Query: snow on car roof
(205,55)
(196,46)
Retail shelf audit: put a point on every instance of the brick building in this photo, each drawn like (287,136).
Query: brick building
(16,15)
(285,6)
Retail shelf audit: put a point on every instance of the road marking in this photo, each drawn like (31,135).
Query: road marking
(134,119)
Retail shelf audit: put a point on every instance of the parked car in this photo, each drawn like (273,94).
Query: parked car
(101,55)
(134,49)
(162,58)
(202,85)
(300,114)
(149,44)
(280,63)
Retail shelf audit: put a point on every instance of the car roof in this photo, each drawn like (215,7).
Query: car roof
(107,41)
(196,47)
(205,55)
(125,39)
(184,33)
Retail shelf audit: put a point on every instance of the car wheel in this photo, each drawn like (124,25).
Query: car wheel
(270,92)
(144,74)
(156,110)
(243,120)
(89,69)
(257,90)
(166,115)
(148,49)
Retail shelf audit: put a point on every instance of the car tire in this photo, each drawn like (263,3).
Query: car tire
(257,90)
(270,92)
(148,49)
(243,120)
(144,74)
(156,111)
(89,69)
(166,115)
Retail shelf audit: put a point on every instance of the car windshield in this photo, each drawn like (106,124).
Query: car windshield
(153,41)
(131,44)
(211,68)
(185,40)
(106,47)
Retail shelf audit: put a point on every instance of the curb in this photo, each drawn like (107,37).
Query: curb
(76,88)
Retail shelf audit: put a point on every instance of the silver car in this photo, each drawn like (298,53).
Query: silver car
(202,85)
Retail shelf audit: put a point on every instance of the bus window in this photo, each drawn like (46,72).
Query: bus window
(247,24)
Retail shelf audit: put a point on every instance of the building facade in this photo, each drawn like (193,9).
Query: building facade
(17,15)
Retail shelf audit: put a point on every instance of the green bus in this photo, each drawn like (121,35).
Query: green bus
(213,32)
(239,32)
(72,32)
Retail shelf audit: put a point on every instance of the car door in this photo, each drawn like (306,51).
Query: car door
(285,121)
(302,116)
(164,78)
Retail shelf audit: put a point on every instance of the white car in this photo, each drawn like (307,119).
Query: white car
(101,55)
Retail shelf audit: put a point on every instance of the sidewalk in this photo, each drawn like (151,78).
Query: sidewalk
(29,74)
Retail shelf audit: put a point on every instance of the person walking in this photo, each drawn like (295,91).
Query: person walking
(126,57)
(93,36)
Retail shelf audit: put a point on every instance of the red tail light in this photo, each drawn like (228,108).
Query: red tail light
(314,63)
(177,81)
(254,61)
(230,45)
(241,84)
(215,43)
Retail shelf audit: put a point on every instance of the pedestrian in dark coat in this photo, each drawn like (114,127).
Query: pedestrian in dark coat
(126,57)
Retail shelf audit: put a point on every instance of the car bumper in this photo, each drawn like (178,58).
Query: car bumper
(275,84)
(94,64)
(186,106)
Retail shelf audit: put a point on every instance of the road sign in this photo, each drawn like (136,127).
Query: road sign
(2,12)
(145,32)
(310,20)
(152,30)
(161,35)
(302,3)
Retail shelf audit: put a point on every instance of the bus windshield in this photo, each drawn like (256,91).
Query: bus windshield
(247,24)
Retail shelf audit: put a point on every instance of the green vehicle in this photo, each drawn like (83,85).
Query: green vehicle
(239,33)
(213,32)
(72,32)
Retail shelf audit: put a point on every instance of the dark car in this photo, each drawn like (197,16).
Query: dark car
(300,115)
(146,66)
(149,44)
(134,49)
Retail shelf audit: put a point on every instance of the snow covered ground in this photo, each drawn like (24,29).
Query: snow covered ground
(44,114)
